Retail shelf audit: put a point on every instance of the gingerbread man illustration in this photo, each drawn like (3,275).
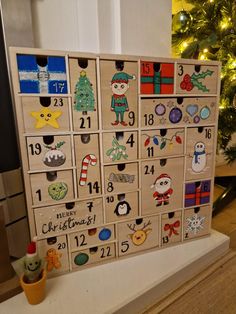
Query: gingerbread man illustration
(53,259)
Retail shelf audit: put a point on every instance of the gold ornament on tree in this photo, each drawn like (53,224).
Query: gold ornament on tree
(181,21)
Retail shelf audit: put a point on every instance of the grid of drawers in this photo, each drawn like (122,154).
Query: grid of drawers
(118,153)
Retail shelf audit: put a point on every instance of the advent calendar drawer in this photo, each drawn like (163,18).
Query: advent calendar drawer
(201,110)
(197,221)
(48,152)
(121,177)
(137,235)
(96,254)
(45,114)
(171,227)
(121,206)
(54,252)
(174,111)
(200,143)
(196,79)
(163,142)
(88,164)
(162,185)
(197,193)
(119,93)
(91,237)
(120,146)
(42,74)
(157,77)
(51,187)
(84,89)
(63,218)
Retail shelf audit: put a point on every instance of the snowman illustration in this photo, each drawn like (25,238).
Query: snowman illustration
(199,157)
(163,190)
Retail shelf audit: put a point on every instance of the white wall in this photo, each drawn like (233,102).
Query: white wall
(109,26)
(146,27)
(55,24)
(17,23)
(140,27)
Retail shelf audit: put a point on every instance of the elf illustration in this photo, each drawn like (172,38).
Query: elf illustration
(163,189)
(119,103)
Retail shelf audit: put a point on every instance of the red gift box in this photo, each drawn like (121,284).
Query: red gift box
(157,78)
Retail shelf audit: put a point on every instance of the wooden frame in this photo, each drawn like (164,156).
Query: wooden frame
(160,119)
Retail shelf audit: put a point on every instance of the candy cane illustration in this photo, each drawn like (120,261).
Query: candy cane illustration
(88,159)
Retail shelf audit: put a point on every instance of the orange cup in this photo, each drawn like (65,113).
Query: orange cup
(35,292)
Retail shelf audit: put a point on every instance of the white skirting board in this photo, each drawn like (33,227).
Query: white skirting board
(124,286)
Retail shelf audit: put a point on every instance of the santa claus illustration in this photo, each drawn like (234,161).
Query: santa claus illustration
(163,190)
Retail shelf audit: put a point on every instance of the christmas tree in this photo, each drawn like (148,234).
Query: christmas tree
(84,96)
(208,31)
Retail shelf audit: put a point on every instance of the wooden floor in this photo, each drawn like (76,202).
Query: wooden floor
(225,222)
(214,290)
(211,292)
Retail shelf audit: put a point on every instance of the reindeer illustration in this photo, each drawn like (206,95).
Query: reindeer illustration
(139,236)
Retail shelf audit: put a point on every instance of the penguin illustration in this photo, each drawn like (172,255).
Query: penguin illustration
(199,157)
(122,208)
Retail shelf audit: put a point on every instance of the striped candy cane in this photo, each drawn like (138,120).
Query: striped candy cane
(88,159)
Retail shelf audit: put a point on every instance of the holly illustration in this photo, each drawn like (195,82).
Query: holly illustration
(189,82)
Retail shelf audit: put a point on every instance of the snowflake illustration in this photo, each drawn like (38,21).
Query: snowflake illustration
(195,223)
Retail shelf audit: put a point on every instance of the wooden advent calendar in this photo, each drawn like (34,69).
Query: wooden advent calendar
(118,152)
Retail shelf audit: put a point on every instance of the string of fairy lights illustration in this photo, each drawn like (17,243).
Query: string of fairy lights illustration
(161,141)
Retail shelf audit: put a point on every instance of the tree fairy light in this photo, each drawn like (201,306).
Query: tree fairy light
(225,23)
(211,36)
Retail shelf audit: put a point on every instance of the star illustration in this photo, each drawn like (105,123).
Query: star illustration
(186,119)
(162,120)
(46,117)
(170,104)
